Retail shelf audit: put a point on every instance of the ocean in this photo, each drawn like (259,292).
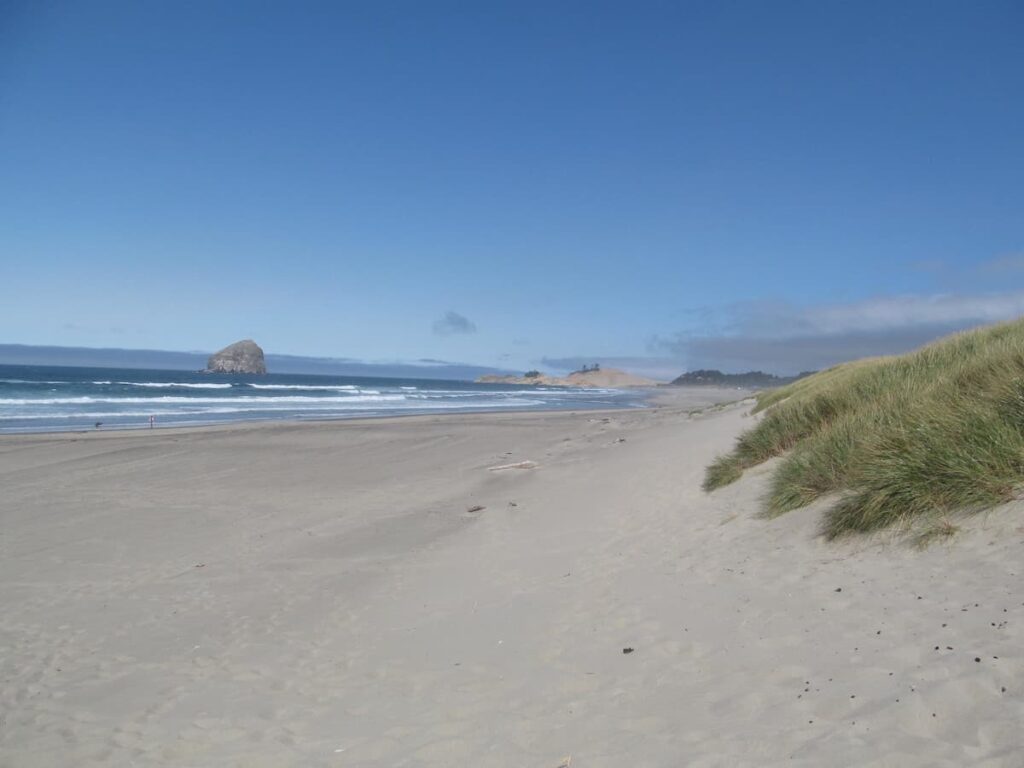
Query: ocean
(50,399)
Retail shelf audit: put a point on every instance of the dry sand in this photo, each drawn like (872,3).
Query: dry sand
(320,595)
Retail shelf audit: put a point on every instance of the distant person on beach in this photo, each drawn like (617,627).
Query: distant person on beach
(151,420)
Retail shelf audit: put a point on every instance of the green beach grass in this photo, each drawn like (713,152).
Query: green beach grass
(903,440)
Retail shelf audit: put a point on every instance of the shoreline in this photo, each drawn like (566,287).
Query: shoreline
(461,589)
(650,397)
(313,421)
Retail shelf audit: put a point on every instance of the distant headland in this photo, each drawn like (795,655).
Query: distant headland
(587,377)
(748,380)
(615,378)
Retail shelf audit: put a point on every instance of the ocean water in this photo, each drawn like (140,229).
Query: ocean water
(45,399)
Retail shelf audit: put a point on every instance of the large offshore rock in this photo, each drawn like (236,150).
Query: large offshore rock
(240,357)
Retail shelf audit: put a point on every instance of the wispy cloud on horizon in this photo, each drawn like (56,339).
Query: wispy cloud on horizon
(786,338)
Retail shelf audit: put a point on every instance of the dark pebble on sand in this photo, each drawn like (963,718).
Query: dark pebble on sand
(839,589)
(627,650)
(977,659)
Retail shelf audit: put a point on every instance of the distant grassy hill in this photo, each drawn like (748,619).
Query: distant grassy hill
(748,380)
(905,439)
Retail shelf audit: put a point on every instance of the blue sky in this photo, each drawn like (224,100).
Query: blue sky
(655,185)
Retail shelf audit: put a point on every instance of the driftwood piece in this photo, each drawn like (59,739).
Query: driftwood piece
(517,465)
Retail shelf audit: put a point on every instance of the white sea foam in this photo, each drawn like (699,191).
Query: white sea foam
(326,387)
(562,394)
(178,400)
(74,404)
(168,384)
(171,417)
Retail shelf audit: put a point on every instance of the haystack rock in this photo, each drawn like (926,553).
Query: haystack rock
(240,357)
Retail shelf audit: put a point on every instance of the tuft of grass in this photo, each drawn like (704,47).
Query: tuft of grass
(936,531)
(934,431)
(724,470)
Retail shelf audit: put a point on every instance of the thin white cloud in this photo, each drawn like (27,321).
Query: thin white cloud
(879,314)
(1004,265)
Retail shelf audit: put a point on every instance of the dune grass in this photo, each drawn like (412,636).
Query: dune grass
(933,432)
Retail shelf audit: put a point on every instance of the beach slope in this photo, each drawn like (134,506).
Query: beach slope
(485,590)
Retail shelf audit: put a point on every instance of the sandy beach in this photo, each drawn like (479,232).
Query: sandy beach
(385,593)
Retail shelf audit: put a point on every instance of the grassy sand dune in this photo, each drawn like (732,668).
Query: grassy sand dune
(909,439)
